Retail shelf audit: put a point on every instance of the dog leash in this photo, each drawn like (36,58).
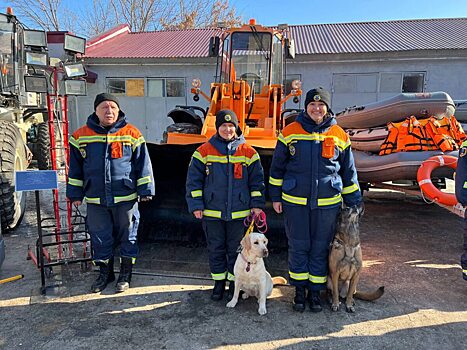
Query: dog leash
(258,220)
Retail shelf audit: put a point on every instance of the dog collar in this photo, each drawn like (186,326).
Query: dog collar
(248,263)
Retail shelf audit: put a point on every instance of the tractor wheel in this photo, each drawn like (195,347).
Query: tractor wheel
(43,147)
(12,158)
(182,128)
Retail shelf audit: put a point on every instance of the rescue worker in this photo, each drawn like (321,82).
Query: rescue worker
(224,185)
(461,195)
(110,170)
(312,171)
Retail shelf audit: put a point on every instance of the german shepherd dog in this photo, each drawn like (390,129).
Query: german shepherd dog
(345,261)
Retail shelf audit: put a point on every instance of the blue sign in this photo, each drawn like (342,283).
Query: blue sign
(36,180)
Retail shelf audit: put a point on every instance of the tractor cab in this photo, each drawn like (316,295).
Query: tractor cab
(249,80)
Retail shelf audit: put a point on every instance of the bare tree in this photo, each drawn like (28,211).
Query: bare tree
(200,14)
(98,18)
(45,13)
(140,15)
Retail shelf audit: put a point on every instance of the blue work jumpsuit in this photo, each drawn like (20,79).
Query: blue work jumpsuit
(225,180)
(461,195)
(312,172)
(109,169)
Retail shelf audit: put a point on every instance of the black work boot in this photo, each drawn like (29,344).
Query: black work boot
(106,275)
(299,300)
(315,301)
(218,291)
(124,279)
(231,290)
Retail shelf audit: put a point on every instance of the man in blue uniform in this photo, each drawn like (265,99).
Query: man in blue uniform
(110,170)
(461,194)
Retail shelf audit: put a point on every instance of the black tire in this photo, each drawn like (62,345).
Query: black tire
(43,147)
(12,157)
(182,128)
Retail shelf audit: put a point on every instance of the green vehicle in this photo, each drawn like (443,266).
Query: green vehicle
(23,113)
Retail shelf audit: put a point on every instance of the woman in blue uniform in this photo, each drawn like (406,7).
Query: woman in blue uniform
(312,172)
(224,185)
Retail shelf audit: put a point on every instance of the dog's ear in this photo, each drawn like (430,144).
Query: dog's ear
(246,243)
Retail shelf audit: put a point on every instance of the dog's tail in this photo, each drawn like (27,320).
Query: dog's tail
(370,296)
(279,280)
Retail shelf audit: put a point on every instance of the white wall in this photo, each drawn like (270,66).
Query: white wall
(149,113)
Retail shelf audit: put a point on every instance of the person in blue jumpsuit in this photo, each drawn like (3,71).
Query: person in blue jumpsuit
(312,172)
(225,183)
(110,170)
(461,195)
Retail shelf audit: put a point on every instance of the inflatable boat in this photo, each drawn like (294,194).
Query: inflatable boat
(461,111)
(395,109)
(373,168)
(368,140)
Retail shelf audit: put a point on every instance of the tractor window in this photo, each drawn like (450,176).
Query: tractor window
(225,64)
(251,54)
(7,74)
(277,61)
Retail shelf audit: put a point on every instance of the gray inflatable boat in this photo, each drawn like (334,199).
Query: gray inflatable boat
(396,108)
(396,166)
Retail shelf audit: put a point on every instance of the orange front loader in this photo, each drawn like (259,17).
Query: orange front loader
(250,75)
(251,83)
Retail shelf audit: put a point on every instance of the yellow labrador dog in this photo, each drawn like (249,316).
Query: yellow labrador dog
(250,273)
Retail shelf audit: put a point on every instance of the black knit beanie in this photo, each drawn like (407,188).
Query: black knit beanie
(105,97)
(226,116)
(318,94)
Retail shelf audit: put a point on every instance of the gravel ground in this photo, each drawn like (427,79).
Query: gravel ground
(410,247)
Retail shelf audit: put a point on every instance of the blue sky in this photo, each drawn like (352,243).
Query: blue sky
(273,12)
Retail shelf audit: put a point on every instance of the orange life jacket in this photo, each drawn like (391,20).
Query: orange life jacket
(446,133)
(409,135)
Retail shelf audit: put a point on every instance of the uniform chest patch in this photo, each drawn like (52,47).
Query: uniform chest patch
(292,150)
(462,152)
(83,152)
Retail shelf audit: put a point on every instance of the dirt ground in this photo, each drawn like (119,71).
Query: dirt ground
(410,247)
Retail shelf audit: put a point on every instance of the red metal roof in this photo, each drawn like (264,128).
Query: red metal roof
(406,35)
(164,44)
(425,34)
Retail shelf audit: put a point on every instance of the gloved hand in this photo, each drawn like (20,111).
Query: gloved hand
(145,198)
(360,208)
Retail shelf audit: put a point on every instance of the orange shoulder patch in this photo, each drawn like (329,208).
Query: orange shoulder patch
(293,128)
(84,131)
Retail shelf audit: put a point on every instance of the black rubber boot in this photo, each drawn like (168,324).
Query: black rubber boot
(124,279)
(106,275)
(299,300)
(218,291)
(231,290)
(315,301)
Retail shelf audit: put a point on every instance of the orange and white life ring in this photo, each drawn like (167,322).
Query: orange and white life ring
(424,179)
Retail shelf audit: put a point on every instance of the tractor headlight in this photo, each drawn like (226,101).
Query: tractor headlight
(296,84)
(196,83)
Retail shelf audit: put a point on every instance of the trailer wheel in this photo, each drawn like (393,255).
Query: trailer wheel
(182,128)
(12,158)
(43,147)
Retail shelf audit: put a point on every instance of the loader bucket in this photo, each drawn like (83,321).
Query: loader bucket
(166,218)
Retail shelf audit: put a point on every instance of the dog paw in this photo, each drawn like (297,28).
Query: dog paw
(231,303)
(335,307)
(350,309)
(262,310)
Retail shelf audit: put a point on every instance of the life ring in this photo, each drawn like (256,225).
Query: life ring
(424,179)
